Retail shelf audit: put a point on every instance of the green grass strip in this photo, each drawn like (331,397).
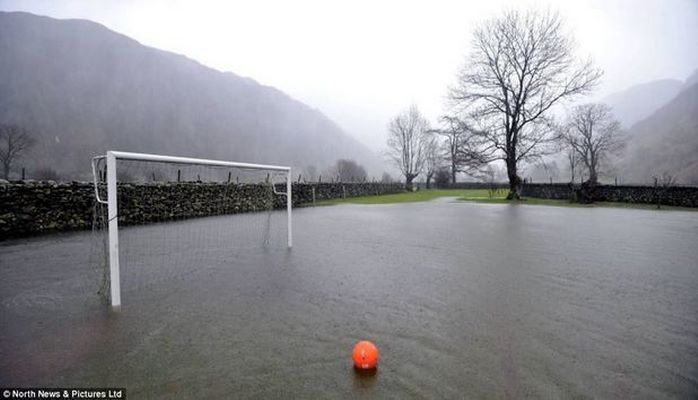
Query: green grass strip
(484,196)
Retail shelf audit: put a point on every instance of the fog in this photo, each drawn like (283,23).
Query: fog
(500,194)
(361,62)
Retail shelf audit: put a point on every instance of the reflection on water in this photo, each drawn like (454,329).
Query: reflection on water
(364,378)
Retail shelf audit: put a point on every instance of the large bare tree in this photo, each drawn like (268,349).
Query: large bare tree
(520,66)
(593,134)
(14,140)
(408,135)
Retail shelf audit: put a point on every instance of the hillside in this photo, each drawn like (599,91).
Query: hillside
(691,80)
(82,89)
(665,142)
(640,101)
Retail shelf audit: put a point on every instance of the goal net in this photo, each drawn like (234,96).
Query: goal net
(162,217)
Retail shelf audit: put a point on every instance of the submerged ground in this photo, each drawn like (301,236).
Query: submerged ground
(495,196)
(464,300)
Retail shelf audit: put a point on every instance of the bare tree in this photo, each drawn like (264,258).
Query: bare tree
(14,140)
(572,162)
(662,183)
(521,65)
(407,137)
(350,171)
(460,146)
(488,176)
(442,177)
(433,158)
(310,173)
(452,135)
(594,134)
(386,178)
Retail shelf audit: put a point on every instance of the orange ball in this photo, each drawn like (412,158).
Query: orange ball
(365,355)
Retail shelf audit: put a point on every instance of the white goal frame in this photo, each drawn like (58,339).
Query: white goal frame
(111,159)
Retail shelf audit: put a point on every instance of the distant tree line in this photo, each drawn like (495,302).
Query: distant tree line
(343,170)
(15,141)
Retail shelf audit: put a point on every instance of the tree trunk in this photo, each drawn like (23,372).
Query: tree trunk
(514,181)
(6,171)
(429,181)
(453,173)
(586,192)
(593,177)
(408,181)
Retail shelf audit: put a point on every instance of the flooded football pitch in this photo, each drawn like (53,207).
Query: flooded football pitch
(463,300)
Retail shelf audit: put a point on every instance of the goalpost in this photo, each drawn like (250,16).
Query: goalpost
(113,159)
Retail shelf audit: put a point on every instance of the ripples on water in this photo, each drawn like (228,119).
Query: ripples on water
(463,300)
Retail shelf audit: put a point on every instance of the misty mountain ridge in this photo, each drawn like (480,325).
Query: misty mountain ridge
(81,89)
(640,101)
(661,131)
(666,142)
(691,80)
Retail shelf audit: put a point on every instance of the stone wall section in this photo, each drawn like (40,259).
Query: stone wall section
(680,196)
(29,207)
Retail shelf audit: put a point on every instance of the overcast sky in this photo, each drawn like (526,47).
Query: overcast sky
(361,62)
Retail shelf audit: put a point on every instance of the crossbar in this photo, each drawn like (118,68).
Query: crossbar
(186,160)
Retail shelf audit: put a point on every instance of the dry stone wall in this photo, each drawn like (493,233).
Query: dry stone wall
(29,208)
(681,196)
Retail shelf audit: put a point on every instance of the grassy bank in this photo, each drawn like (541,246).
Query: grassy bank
(420,195)
(483,196)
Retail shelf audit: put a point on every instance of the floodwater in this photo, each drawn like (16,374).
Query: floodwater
(463,300)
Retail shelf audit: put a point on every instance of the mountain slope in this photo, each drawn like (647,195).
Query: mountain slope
(640,101)
(665,142)
(691,80)
(82,89)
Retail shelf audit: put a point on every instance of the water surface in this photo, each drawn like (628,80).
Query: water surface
(463,300)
